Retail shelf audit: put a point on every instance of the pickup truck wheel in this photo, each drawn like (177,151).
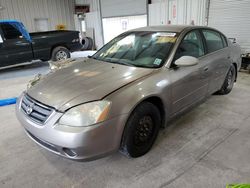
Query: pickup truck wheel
(60,53)
(229,82)
(141,130)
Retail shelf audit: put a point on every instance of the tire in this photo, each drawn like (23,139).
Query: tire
(229,81)
(90,47)
(87,43)
(141,130)
(60,53)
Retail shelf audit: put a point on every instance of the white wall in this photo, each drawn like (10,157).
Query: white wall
(177,12)
(132,22)
(57,12)
(93,20)
(110,8)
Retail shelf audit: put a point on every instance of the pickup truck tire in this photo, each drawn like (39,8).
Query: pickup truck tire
(141,130)
(60,53)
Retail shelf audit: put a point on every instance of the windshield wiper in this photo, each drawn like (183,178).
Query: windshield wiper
(91,57)
(127,64)
(118,62)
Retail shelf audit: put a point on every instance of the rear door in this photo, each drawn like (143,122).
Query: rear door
(15,48)
(218,57)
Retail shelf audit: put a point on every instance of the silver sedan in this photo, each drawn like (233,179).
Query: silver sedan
(119,98)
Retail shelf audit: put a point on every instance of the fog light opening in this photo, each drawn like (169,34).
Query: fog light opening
(69,152)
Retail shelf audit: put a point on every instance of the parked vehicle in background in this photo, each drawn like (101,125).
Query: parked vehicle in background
(17,46)
(120,97)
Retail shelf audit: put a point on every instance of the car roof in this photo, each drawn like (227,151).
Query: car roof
(9,21)
(169,28)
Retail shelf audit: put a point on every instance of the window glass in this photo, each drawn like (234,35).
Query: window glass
(140,49)
(224,40)
(213,39)
(191,45)
(10,32)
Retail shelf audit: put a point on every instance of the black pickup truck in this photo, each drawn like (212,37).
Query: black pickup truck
(17,46)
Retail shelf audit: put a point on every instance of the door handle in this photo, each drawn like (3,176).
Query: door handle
(205,69)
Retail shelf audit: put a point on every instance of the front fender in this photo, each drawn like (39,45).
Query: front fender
(125,100)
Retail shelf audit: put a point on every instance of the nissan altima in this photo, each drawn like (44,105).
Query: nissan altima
(120,97)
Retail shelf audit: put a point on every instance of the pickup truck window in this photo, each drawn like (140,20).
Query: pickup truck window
(10,32)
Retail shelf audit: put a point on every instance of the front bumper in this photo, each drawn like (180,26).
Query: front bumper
(78,143)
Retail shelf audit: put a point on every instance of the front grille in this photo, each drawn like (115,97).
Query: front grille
(34,110)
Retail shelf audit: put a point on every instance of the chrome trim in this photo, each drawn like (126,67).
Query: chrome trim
(16,65)
(38,109)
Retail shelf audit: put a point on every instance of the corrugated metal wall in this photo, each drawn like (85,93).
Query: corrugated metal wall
(56,11)
(178,12)
(233,19)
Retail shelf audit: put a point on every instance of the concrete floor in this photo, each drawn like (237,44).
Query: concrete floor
(207,147)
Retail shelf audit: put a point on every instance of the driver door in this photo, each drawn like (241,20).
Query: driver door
(14,48)
(190,83)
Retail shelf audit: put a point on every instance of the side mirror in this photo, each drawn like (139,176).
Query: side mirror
(185,61)
(1,39)
(233,40)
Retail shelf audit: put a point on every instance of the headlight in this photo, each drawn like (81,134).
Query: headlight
(86,114)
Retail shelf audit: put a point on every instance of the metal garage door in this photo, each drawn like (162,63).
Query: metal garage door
(232,17)
(116,8)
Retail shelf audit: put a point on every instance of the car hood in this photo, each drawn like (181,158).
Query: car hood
(83,81)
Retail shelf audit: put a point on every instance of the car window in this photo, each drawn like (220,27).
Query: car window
(191,45)
(213,40)
(10,32)
(142,49)
(224,40)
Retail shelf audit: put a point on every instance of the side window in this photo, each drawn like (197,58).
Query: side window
(191,45)
(224,40)
(10,32)
(213,40)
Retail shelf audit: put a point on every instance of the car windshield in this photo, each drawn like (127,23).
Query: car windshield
(139,49)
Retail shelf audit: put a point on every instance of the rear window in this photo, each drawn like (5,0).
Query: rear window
(10,32)
(213,40)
